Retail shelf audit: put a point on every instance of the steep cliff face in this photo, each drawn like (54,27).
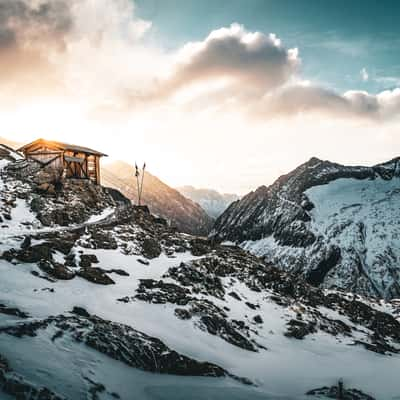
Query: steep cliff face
(162,200)
(101,300)
(339,226)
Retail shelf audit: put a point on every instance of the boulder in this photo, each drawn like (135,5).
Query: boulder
(95,275)
(86,260)
(56,270)
(151,248)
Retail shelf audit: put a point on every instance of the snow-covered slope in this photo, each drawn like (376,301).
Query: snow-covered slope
(118,305)
(338,226)
(213,202)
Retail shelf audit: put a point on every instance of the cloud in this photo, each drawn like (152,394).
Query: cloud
(95,53)
(242,61)
(25,23)
(44,44)
(253,72)
(254,59)
(234,69)
(31,32)
(364,74)
(298,98)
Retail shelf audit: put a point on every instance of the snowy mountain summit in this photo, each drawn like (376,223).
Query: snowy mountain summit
(102,300)
(338,226)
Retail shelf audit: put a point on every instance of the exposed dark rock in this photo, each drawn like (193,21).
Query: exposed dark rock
(125,299)
(251,305)
(159,292)
(235,296)
(56,270)
(80,311)
(26,242)
(95,275)
(222,328)
(201,275)
(211,318)
(117,271)
(117,196)
(102,239)
(151,248)
(181,313)
(316,276)
(200,247)
(86,260)
(346,394)
(37,203)
(122,343)
(12,311)
(299,329)
(33,254)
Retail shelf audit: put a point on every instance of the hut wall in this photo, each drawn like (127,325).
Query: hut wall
(54,156)
(49,160)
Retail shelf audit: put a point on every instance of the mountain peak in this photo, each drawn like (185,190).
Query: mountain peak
(314,160)
(334,224)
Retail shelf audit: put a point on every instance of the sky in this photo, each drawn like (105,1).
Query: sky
(220,94)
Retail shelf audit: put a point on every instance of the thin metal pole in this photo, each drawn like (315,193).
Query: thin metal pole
(137,173)
(141,186)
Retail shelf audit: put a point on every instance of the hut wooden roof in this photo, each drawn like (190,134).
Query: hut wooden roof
(63,146)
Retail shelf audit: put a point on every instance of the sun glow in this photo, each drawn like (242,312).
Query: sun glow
(45,118)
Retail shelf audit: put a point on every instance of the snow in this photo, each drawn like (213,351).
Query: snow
(362,218)
(60,359)
(363,215)
(3,163)
(103,215)
(285,370)
(269,248)
(228,243)
(288,368)
(21,215)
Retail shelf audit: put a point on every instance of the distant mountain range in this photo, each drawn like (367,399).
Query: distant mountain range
(213,202)
(162,200)
(338,226)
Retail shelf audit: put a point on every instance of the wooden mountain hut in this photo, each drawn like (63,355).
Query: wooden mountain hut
(74,161)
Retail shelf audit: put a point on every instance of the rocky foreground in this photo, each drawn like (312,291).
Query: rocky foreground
(102,300)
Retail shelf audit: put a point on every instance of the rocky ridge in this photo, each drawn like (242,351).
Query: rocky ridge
(338,226)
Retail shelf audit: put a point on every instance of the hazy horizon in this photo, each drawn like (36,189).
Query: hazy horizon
(222,95)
